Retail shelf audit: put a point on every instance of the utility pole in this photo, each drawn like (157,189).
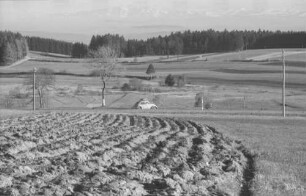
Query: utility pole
(34,70)
(284,84)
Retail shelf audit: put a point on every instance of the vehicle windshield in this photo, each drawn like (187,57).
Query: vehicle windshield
(145,102)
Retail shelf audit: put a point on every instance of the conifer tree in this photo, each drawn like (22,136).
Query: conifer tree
(150,71)
(13,47)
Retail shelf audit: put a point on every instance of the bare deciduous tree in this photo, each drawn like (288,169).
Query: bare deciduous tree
(105,62)
(44,78)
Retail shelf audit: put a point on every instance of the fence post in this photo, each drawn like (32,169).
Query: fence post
(284,84)
(34,70)
(202,101)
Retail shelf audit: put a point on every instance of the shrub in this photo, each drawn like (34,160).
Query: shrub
(15,93)
(136,84)
(95,73)
(169,81)
(148,88)
(126,87)
(118,84)
(161,83)
(198,99)
(44,79)
(207,102)
(22,102)
(208,105)
(79,89)
(15,98)
(181,81)
(157,90)
(8,101)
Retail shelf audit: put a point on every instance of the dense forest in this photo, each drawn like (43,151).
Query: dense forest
(13,47)
(79,50)
(196,42)
(49,45)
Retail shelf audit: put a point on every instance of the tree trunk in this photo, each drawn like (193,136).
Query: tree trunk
(103,96)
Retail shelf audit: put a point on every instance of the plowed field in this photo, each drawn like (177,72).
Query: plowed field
(113,154)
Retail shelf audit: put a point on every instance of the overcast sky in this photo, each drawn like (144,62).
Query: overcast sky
(146,16)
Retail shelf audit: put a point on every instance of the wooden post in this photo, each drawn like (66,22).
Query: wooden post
(202,100)
(284,84)
(34,70)
(244,99)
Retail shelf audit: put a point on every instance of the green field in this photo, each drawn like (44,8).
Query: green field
(230,81)
(244,88)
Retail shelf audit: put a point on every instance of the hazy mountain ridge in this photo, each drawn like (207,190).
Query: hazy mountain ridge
(75,37)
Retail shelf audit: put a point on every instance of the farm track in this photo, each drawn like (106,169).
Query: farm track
(115,154)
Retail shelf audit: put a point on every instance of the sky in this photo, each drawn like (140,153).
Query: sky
(137,17)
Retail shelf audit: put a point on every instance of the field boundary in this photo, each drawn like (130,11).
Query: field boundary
(26,58)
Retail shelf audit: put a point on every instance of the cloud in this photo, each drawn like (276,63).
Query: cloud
(213,14)
(302,14)
(158,27)
(151,15)
(278,12)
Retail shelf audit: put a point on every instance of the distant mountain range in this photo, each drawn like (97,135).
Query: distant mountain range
(71,37)
(76,37)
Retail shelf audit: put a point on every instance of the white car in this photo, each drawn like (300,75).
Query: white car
(145,105)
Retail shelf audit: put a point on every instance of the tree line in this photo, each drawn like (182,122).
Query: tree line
(49,45)
(195,42)
(187,42)
(13,47)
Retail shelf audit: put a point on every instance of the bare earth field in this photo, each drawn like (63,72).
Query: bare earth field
(177,140)
(95,154)
(278,167)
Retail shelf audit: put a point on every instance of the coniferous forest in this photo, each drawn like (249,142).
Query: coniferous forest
(197,42)
(13,47)
(49,45)
(79,50)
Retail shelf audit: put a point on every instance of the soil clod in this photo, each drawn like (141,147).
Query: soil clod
(60,153)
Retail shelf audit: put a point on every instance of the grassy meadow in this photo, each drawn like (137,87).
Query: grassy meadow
(279,146)
(244,88)
(230,80)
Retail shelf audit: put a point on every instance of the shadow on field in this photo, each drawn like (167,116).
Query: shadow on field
(120,98)
(239,71)
(288,63)
(248,174)
(289,105)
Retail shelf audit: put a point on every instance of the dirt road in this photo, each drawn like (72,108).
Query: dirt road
(16,63)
